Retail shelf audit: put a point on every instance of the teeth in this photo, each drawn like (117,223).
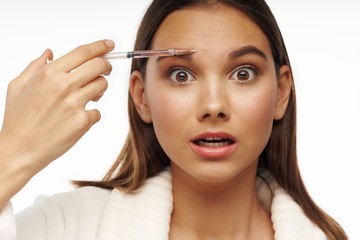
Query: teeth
(205,143)
(213,139)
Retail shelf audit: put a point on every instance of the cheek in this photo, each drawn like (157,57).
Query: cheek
(260,108)
(257,115)
(170,111)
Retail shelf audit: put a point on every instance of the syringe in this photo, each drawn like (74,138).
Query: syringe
(148,53)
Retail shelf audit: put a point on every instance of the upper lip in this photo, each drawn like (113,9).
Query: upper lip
(214,135)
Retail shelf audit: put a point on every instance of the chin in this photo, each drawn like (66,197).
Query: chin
(218,172)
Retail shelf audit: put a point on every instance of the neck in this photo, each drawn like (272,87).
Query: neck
(227,210)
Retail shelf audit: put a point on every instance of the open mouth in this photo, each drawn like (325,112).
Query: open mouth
(213,142)
(214,145)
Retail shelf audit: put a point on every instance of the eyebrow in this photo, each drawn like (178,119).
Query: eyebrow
(187,57)
(245,51)
(242,51)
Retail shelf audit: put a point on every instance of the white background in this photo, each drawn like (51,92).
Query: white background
(323,43)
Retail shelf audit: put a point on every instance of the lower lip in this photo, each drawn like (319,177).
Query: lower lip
(213,152)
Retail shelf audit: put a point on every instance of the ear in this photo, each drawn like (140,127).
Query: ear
(137,92)
(284,89)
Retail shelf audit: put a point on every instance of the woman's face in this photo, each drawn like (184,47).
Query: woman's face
(212,111)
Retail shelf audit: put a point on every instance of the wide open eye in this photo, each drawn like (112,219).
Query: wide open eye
(180,76)
(244,73)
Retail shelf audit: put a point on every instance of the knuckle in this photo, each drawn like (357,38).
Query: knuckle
(73,105)
(47,72)
(60,88)
(83,120)
(55,81)
(13,84)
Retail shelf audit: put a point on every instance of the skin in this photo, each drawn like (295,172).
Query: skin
(214,198)
(45,112)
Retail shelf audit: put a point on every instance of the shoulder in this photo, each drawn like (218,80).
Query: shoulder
(73,202)
(63,214)
(77,204)
(84,196)
(287,216)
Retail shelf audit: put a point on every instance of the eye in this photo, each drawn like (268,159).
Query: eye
(244,73)
(180,76)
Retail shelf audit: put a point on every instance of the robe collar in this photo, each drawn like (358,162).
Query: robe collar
(146,213)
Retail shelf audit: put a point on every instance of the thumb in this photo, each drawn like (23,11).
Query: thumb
(46,56)
(43,59)
(34,66)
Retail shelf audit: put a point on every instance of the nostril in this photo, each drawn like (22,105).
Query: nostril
(206,115)
(221,115)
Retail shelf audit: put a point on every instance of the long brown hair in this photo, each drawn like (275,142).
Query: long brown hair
(142,155)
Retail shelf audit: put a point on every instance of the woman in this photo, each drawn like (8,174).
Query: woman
(203,126)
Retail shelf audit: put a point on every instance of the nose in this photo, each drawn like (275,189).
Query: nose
(213,103)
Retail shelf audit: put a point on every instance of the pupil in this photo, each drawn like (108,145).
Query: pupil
(181,77)
(243,75)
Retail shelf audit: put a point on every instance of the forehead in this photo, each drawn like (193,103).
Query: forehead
(209,27)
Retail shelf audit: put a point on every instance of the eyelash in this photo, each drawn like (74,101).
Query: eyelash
(172,79)
(253,75)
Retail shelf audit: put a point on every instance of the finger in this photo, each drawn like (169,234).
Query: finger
(37,63)
(43,59)
(26,75)
(90,70)
(82,54)
(97,98)
(93,90)
(94,116)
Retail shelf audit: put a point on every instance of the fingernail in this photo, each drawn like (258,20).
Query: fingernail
(110,43)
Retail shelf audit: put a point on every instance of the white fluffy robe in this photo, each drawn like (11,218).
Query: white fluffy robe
(7,223)
(96,214)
